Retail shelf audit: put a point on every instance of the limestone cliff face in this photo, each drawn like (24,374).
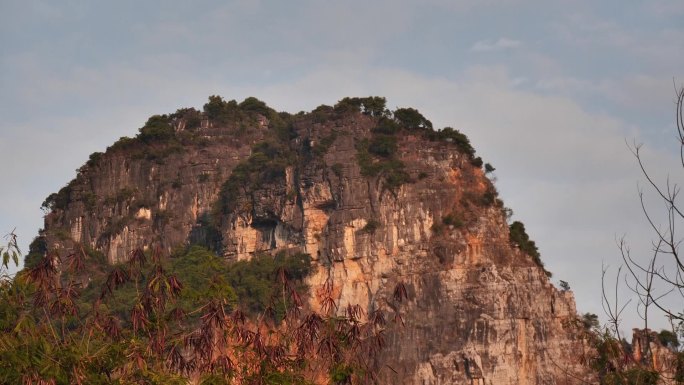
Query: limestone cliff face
(480,311)
(140,195)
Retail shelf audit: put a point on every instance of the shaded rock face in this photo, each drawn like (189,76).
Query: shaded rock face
(479,311)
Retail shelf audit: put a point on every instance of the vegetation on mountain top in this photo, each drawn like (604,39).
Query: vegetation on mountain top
(164,135)
(377,156)
(452,135)
(373,106)
(411,119)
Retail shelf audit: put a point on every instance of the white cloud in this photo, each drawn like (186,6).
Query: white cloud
(498,45)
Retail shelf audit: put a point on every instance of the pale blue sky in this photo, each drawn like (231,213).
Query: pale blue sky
(548,91)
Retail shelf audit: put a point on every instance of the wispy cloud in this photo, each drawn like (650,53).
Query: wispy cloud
(498,45)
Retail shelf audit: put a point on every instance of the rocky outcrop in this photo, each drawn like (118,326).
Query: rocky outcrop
(136,195)
(422,214)
(648,352)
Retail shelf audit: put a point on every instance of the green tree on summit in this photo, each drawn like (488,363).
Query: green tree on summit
(252,104)
(412,119)
(156,129)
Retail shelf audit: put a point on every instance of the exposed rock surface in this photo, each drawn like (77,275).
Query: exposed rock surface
(648,351)
(139,195)
(480,311)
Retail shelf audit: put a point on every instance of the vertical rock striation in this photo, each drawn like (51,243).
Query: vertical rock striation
(479,310)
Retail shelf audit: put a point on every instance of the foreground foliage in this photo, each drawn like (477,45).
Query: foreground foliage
(656,282)
(614,361)
(167,320)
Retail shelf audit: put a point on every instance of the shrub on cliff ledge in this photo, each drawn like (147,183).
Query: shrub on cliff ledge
(221,111)
(371,105)
(383,145)
(452,135)
(386,126)
(412,119)
(519,237)
(382,162)
(265,166)
(668,339)
(156,129)
(191,117)
(252,104)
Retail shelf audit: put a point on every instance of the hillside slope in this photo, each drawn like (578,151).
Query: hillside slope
(376,198)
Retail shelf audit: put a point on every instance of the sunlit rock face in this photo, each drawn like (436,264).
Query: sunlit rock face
(479,311)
